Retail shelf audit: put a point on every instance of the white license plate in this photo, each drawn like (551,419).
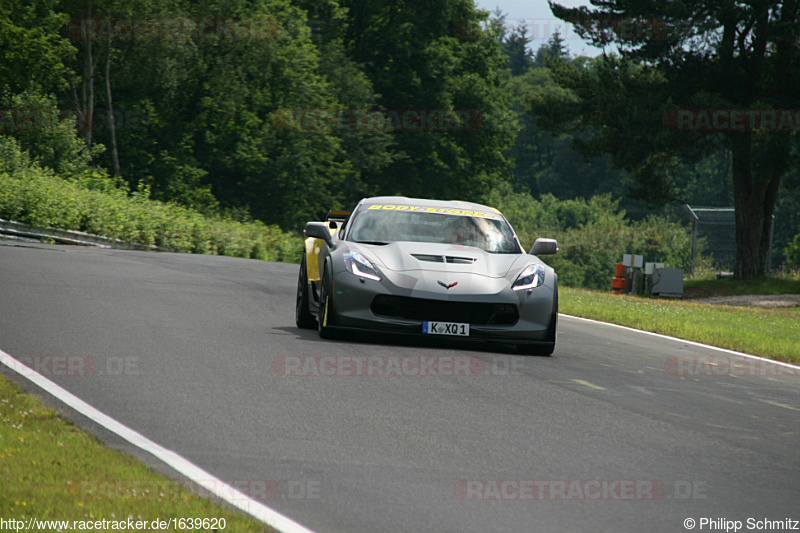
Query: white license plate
(445,328)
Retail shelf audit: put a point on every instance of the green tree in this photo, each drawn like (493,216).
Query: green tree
(515,46)
(34,61)
(674,57)
(420,61)
(787,223)
(239,88)
(199,95)
(553,49)
(367,150)
(545,162)
(46,133)
(33,54)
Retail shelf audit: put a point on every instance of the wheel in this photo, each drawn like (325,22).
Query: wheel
(536,349)
(550,346)
(325,316)
(302,317)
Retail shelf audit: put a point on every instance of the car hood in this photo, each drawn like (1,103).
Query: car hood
(447,258)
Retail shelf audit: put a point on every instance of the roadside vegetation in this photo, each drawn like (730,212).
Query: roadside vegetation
(91,202)
(770,333)
(284,109)
(592,234)
(51,470)
(706,285)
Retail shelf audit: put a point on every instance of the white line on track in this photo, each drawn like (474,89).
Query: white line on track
(677,339)
(181,465)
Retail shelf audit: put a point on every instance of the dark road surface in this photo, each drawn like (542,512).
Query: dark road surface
(618,431)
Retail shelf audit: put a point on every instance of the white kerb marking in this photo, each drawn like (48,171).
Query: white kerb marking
(194,473)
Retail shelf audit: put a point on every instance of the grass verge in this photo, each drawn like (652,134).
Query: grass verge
(51,470)
(708,288)
(771,333)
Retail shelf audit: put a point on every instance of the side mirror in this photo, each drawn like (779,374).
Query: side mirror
(544,247)
(319,230)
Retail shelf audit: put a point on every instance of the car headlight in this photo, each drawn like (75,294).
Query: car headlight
(360,266)
(530,278)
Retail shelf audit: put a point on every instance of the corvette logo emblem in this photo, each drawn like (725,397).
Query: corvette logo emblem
(446,286)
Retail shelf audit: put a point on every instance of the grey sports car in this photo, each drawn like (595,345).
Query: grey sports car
(427,267)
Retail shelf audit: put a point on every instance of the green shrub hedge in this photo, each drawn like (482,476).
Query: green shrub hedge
(792,253)
(592,235)
(34,195)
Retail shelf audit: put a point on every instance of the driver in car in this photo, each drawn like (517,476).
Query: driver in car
(465,233)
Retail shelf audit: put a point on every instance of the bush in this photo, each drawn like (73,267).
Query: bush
(47,134)
(592,235)
(792,253)
(35,195)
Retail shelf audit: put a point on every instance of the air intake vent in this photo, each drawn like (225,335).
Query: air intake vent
(443,259)
(430,258)
(446,311)
(461,260)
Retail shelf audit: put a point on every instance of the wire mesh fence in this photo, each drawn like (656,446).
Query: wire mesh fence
(714,232)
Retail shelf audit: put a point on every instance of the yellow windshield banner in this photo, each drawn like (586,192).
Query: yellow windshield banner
(438,210)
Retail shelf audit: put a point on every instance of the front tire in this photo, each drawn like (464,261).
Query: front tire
(536,349)
(548,347)
(302,317)
(325,316)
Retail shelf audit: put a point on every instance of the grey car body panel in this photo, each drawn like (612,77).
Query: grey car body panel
(487,279)
(399,257)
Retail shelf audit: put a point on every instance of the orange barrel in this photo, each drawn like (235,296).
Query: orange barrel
(618,283)
(620,270)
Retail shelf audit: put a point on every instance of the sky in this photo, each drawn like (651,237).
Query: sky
(541,23)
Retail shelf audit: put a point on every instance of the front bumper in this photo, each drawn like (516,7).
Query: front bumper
(495,312)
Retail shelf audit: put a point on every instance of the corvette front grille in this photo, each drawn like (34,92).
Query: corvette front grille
(478,313)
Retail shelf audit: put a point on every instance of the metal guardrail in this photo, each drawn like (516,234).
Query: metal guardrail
(18,230)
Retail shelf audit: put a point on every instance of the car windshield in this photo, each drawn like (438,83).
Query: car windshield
(382,227)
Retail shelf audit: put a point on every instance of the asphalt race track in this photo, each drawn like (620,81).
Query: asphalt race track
(618,431)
